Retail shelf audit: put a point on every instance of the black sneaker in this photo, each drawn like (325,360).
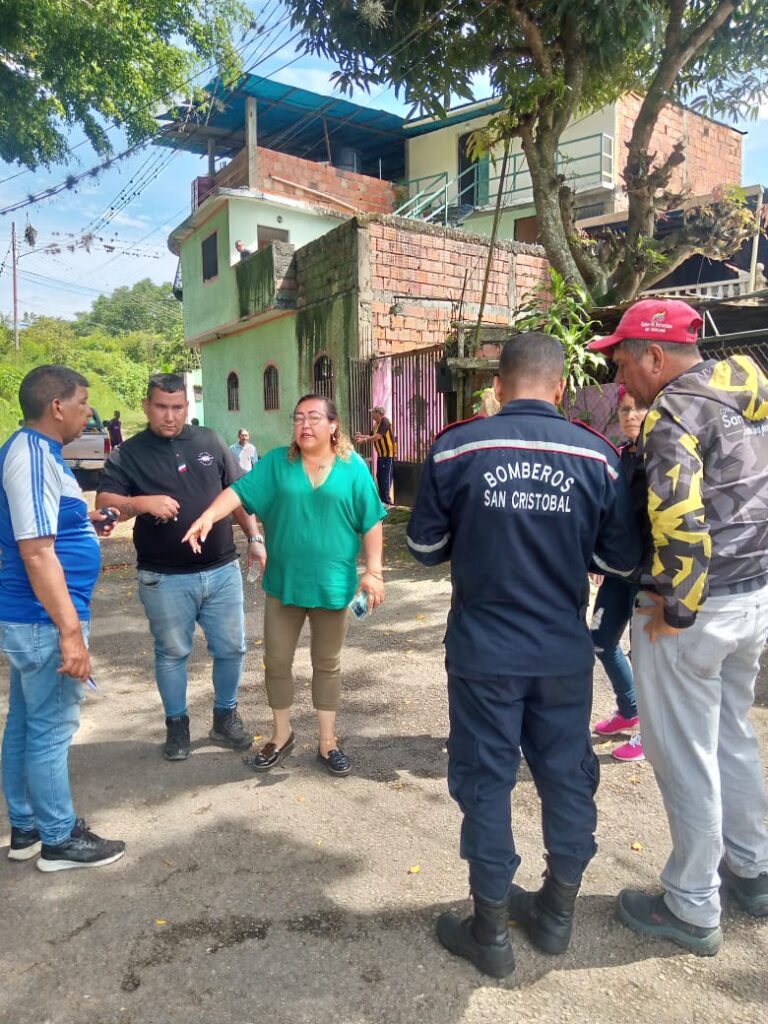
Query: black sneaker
(751,894)
(177,743)
(83,849)
(650,915)
(24,844)
(228,729)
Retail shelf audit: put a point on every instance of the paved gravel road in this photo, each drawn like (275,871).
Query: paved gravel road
(296,897)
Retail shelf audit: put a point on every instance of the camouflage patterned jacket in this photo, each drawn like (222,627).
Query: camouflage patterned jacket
(705,450)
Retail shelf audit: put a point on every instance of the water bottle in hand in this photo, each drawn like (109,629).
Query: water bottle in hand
(254,572)
(359,605)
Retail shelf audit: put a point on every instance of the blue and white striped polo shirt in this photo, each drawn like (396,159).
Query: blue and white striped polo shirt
(41,498)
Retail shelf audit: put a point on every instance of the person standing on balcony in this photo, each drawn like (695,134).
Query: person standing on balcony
(165,476)
(243,252)
(701,620)
(384,443)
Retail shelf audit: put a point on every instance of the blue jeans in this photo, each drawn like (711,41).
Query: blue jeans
(613,611)
(43,716)
(174,603)
(491,720)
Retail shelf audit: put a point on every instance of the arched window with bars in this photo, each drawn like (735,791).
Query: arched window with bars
(322,376)
(233,392)
(271,389)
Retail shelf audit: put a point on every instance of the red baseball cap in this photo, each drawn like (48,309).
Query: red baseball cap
(653,320)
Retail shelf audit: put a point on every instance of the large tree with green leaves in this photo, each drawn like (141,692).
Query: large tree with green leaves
(144,306)
(92,63)
(550,60)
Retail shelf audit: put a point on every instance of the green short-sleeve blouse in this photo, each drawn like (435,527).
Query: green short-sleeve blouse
(312,534)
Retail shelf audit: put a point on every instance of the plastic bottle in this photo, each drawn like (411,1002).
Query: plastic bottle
(359,605)
(254,573)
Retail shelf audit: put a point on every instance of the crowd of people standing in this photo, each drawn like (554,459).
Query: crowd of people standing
(524,505)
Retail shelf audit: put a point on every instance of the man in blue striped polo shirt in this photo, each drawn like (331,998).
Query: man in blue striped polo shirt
(50,563)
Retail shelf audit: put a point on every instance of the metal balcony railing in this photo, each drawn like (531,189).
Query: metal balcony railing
(586,163)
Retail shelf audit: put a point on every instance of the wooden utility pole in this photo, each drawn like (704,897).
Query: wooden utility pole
(492,242)
(15,289)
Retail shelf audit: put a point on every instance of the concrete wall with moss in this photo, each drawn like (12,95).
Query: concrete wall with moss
(248,354)
(327,320)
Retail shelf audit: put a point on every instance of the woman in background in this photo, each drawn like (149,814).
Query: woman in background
(613,611)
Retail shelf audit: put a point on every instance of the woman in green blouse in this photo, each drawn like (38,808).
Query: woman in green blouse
(316,499)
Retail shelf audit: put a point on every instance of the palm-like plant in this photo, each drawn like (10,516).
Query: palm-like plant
(562,310)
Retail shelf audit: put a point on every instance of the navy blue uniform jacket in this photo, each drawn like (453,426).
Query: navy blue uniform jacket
(523,504)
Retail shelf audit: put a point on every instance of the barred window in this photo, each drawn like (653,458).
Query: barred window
(233,393)
(271,389)
(323,376)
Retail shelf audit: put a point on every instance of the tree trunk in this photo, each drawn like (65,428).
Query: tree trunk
(540,154)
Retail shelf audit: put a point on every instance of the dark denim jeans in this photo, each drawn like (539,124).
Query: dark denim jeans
(613,612)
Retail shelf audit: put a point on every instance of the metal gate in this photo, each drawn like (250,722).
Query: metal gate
(417,407)
(360,380)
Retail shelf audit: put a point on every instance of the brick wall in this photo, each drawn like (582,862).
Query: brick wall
(433,276)
(712,150)
(340,191)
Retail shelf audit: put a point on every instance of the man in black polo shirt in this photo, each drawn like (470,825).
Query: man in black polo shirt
(166,476)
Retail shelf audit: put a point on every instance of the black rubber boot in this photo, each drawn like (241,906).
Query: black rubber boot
(546,915)
(482,938)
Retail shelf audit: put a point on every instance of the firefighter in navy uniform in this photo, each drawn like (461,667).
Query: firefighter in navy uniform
(523,504)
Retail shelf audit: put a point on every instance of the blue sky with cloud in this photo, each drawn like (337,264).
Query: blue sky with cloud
(133,245)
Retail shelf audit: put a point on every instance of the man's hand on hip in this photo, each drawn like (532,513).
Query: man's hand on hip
(656,625)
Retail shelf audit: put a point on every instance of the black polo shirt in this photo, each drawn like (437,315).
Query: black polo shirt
(194,468)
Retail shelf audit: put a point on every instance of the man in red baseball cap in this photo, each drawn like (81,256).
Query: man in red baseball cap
(701,618)
(665,332)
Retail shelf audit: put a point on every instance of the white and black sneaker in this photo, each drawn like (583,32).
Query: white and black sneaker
(83,849)
(25,844)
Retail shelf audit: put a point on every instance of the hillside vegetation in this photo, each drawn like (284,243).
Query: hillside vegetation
(116,345)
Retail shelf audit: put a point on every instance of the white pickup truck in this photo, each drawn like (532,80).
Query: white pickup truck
(87,453)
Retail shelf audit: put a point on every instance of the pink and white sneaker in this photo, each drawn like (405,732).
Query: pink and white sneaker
(631,751)
(615,724)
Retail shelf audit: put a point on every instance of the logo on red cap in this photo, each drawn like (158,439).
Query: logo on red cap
(654,320)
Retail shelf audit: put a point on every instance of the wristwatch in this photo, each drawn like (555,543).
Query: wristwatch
(256,539)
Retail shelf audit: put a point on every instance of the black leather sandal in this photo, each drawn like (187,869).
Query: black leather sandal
(270,756)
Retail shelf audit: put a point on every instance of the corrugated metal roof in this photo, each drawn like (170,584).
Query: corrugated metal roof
(457,115)
(295,121)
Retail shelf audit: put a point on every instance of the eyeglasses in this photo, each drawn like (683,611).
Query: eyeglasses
(310,417)
(627,410)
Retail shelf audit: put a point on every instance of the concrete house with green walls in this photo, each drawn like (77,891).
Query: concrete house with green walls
(285,167)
